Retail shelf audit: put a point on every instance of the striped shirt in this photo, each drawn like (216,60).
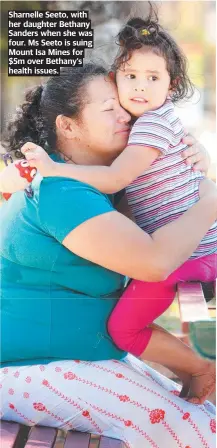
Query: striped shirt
(169,187)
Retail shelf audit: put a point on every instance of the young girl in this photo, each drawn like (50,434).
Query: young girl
(150,73)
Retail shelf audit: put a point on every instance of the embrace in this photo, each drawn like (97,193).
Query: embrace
(69,321)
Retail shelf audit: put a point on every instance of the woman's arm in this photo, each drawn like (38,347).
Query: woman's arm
(123,207)
(130,164)
(116,243)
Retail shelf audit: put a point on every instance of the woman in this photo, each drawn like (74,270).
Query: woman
(64,254)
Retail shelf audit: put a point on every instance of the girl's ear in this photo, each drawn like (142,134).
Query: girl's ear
(112,75)
(173,85)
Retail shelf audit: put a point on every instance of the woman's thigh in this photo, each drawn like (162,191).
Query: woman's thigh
(121,399)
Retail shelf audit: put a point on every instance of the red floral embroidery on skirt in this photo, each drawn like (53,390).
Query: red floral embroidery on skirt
(175,392)
(39,406)
(124,398)
(28,379)
(213,425)
(69,376)
(25,395)
(156,415)
(186,416)
(128,423)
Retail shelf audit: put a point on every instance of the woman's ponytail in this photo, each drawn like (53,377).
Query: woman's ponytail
(27,124)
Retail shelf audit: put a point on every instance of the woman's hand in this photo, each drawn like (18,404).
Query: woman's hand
(195,155)
(208,188)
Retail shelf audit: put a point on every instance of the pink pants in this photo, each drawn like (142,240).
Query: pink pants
(143,302)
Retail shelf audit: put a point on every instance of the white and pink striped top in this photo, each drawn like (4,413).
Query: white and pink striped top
(169,187)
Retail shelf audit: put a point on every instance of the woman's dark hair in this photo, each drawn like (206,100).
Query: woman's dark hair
(148,34)
(35,119)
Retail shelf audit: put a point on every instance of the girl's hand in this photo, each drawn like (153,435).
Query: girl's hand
(10,178)
(195,155)
(38,158)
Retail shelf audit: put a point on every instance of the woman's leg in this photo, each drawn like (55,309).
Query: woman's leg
(125,400)
(141,304)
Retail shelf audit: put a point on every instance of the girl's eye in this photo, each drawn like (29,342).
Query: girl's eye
(153,78)
(108,110)
(130,76)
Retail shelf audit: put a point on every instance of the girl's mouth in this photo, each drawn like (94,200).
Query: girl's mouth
(138,99)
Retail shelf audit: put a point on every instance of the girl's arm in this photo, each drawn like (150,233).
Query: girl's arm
(195,155)
(130,164)
(118,244)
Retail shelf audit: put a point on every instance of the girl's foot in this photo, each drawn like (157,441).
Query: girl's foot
(202,384)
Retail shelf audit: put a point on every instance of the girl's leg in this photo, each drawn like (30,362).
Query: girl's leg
(183,376)
(202,269)
(130,322)
(166,349)
(141,304)
(117,399)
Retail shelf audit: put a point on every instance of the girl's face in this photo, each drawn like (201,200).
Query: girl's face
(104,124)
(143,82)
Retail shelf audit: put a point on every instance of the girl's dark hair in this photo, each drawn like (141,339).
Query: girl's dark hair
(35,119)
(147,33)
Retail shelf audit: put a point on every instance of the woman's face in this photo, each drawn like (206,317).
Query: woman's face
(104,124)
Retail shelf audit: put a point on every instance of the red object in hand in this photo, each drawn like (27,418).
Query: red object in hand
(26,171)
(6,196)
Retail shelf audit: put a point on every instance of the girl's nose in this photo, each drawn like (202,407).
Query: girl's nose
(139,89)
(123,116)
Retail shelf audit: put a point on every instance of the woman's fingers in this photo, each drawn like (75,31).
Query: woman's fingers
(199,166)
(197,156)
(188,152)
(189,140)
(193,159)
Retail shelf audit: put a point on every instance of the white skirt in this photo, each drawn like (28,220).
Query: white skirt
(125,400)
